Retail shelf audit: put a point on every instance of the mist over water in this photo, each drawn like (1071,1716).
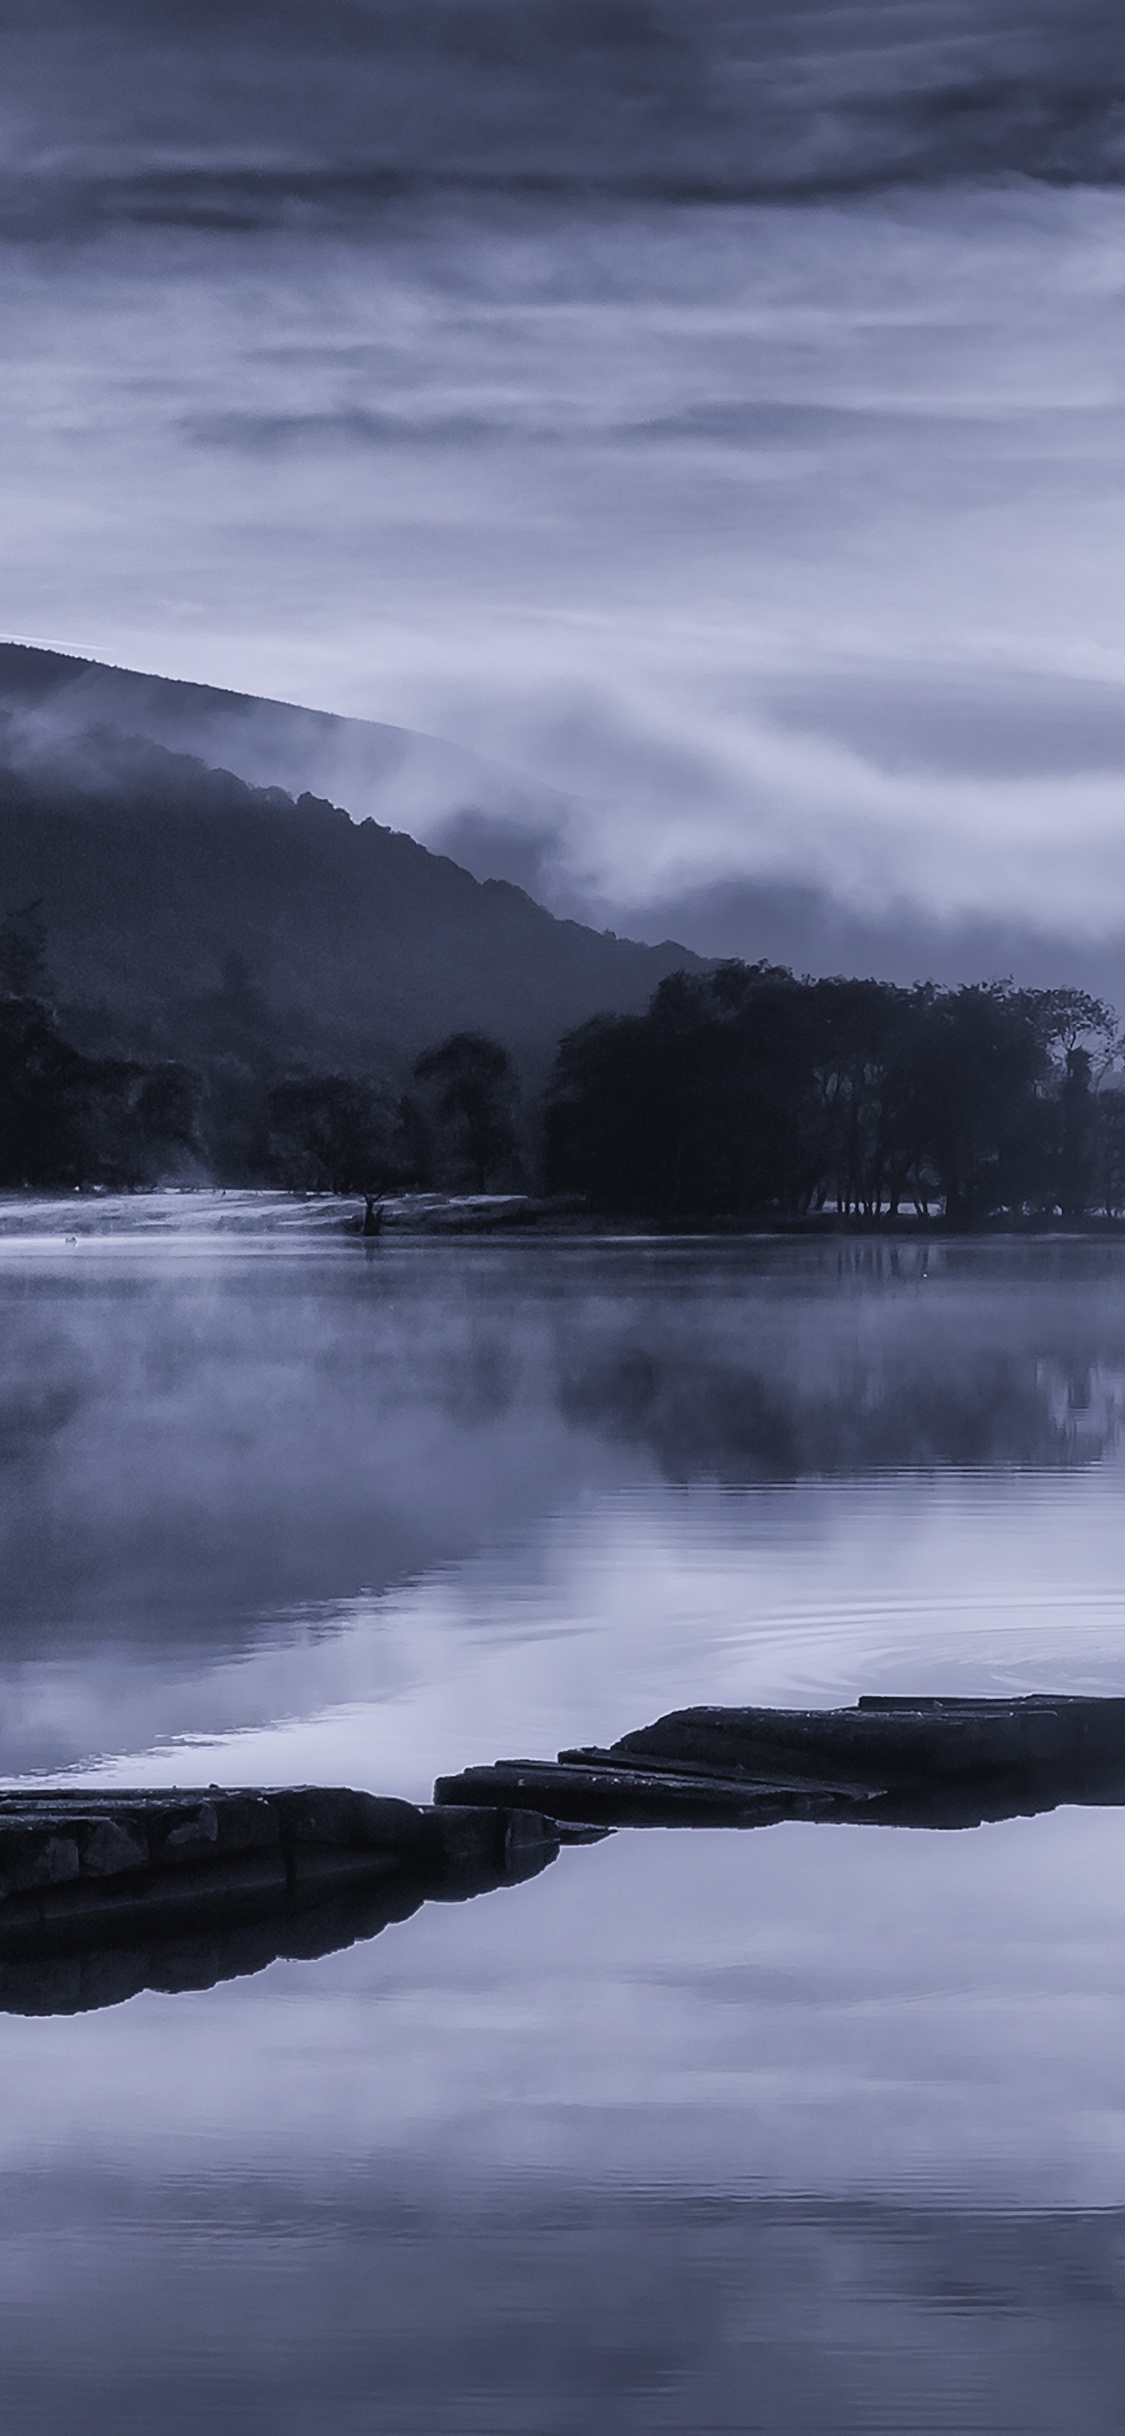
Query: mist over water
(808,2128)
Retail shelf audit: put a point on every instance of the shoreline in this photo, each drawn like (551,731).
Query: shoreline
(216,1213)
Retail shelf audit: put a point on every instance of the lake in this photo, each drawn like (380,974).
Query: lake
(810,2128)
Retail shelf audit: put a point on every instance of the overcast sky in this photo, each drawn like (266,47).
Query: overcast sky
(714,409)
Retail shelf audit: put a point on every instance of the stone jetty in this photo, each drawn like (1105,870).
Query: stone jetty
(902,1762)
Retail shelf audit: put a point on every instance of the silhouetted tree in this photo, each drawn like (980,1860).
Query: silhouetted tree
(745,1091)
(977,1063)
(470,1096)
(707,1104)
(23,952)
(1078,1033)
(1110,1151)
(334,1133)
(165,1116)
(66,1119)
(40,1084)
(865,1039)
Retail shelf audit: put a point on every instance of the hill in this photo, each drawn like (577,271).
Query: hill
(392,774)
(188,912)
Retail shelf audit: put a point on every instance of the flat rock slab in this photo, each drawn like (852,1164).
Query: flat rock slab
(892,1762)
(90,1863)
(597,1792)
(883,1742)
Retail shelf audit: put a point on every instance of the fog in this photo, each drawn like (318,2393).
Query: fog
(384,1513)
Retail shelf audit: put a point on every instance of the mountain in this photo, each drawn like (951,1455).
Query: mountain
(189,913)
(503,825)
(391,774)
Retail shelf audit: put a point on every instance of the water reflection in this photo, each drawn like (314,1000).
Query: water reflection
(800,2130)
(917,1373)
(568,2312)
(242,1486)
(187,1447)
(191,1931)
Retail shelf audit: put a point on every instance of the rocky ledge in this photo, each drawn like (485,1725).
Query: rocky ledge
(891,1762)
(105,1892)
(80,1867)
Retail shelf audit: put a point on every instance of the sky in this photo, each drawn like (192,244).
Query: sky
(714,412)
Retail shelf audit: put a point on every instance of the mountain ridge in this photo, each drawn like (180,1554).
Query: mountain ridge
(188,910)
(398,775)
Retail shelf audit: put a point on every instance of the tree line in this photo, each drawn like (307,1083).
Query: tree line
(233,1114)
(742,1093)
(745,1092)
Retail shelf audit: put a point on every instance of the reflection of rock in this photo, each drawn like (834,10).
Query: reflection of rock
(102,1894)
(936,1763)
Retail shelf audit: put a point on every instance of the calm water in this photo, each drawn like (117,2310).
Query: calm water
(810,2129)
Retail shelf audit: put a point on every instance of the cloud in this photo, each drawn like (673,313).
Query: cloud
(962,722)
(257,433)
(245,115)
(966,794)
(784,542)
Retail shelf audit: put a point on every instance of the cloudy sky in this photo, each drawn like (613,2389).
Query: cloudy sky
(714,410)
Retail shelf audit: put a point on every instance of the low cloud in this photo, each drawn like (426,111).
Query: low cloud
(772,547)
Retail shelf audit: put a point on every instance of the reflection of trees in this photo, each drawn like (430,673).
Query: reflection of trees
(705,1411)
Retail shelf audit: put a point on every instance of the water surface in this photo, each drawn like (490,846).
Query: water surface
(816,2129)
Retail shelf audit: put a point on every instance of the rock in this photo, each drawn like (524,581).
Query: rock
(882,1742)
(109,1846)
(892,1762)
(334,1815)
(103,1891)
(601,1795)
(29,1857)
(468,1840)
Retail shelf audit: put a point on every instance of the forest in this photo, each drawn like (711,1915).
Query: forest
(741,1093)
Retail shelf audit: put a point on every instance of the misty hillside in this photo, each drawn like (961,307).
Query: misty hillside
(392,774)
(187,912)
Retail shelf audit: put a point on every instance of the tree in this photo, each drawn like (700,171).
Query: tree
(1078,1033)
(1110,1151)
(1069,1018)
(976,1071)
(603,1132)
(23,952)
(335,1133)
(707,1105)
(471,1098)
(165,1116)
(66,1119)
(866,1034)
(745,1092)
(41,1081)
